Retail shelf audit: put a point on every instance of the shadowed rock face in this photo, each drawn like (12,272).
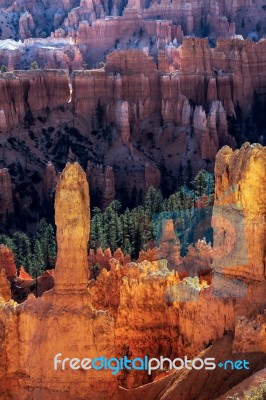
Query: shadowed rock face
(72,220)
(6,196)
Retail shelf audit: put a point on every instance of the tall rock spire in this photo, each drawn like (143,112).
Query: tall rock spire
(72,218)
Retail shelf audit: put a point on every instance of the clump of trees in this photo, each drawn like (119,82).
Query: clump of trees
(132,229)
(34,65)
(36,253)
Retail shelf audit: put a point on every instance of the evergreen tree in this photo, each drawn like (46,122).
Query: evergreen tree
(45,236)
(22,250)
(34,65)
(113,225)
(38,263)
(200,184)
(97,230)
(153,201)
(51,247)
(127,232)
(174,202)
(7,241)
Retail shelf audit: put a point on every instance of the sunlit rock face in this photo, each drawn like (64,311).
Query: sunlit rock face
(239,217)
(250,334)
(72,220)
(7,262)
(5,293)
(240,238)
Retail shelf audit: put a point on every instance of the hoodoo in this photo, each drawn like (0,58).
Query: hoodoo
(72,220)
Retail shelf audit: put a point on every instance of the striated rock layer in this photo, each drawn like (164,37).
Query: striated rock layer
(30,90)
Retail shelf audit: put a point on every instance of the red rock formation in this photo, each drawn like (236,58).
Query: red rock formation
(198,260)
(169,245)
(102,179)
(109,187)
(26,284)
(23,274)
(207,140)
(7,262)
(250,334)
(149,255)
(26,25)
(5,293)
(6,196)
(99,260)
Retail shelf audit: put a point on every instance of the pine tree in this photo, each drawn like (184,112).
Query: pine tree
(200,183)
(22,250)
(7,241)
(174,202)
(38,263)
(153,201)
(34,65)
(45,236)
(97,230)
(112,224)
(51,247)
(127,232)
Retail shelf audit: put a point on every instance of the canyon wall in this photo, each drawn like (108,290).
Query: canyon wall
(22,91)
(137,112)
